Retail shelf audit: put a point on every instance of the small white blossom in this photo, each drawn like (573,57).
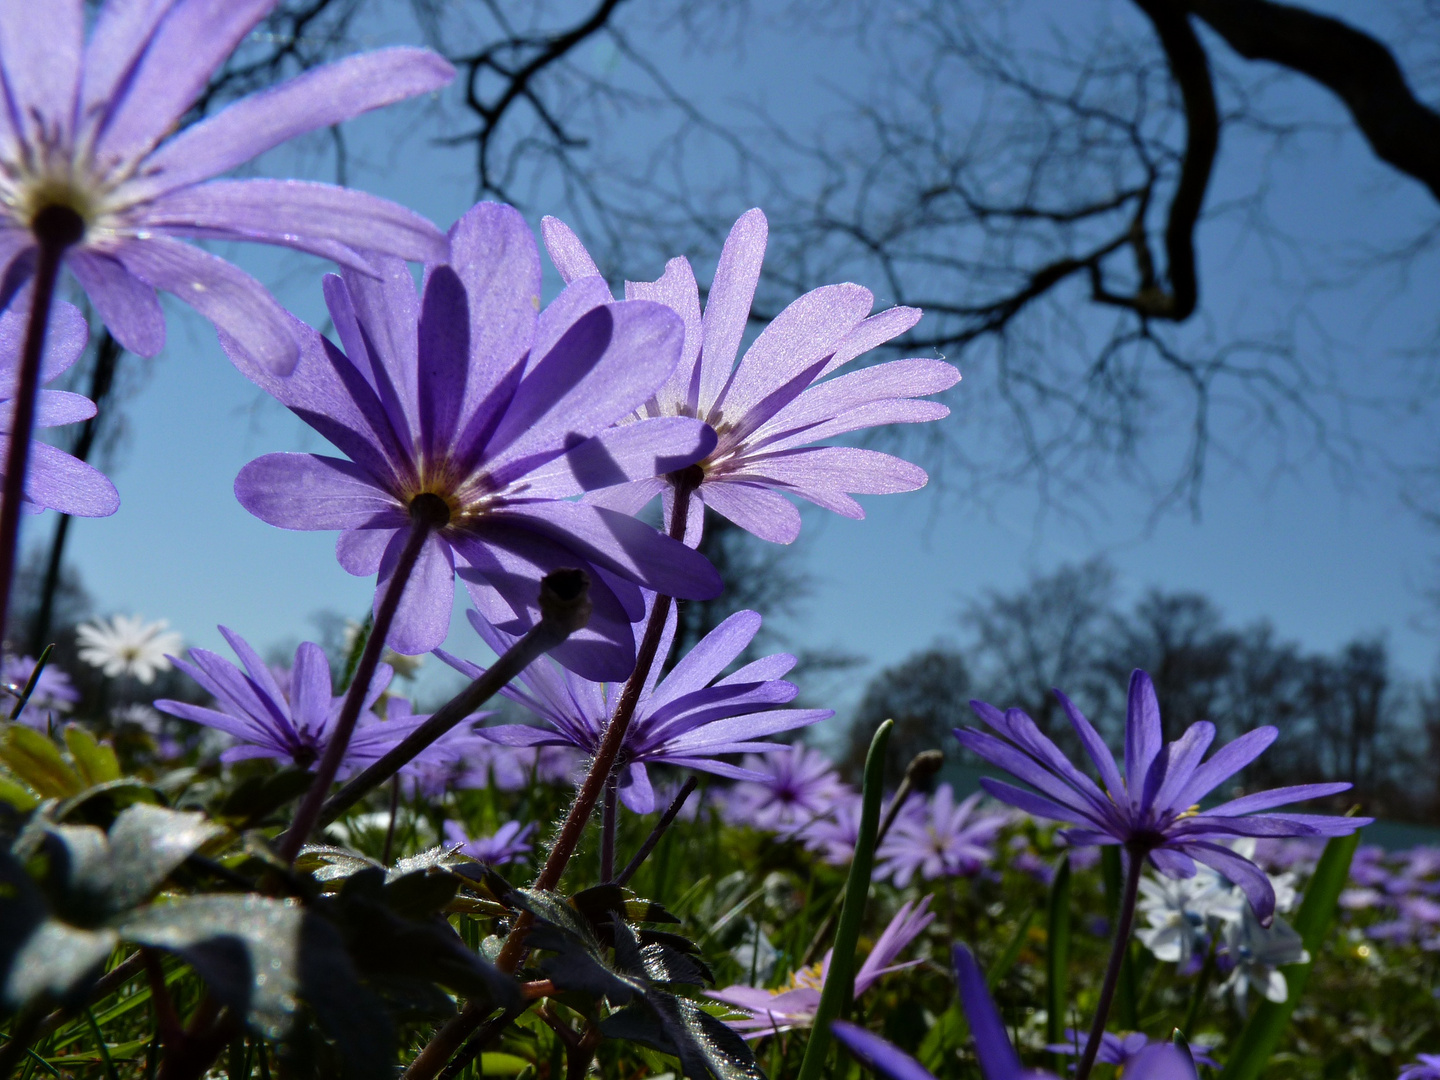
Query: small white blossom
(128,645)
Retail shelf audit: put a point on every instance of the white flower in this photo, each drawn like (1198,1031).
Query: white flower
(1257,953)
(127,645)
(1180,912)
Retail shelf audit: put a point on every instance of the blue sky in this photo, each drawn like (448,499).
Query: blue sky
(1324,554)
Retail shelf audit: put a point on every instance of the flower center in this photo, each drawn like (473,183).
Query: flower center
(56,211)
(431,508)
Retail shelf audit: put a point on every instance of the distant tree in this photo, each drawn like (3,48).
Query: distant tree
(927,695)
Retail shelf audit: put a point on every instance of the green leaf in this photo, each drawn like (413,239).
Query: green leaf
(839,987)
(1251,1052)
(94,761)
(493,1064)
(257,797)
(679,1027)
(18,795)
(147,843)
(245,947)
(35,760)
(1006,960)
(1057,959)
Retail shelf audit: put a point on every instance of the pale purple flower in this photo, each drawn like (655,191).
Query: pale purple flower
(270,722)
(998,1060)
(794,1005)
(1121,1050)
(509,842)
(54,480)
(86,132)
(1425,1067)
(949,840)
(448,762)
(796,786)
(688,719)
(771,408)
(488,413)
(1154,808)
(53,693)
(833,835)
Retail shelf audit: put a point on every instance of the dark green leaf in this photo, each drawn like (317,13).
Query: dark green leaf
(348,1013)
(1057,958)
(705,1046)
(257,797)
(1006,960)
(596,901)
(245,947)
(421,893)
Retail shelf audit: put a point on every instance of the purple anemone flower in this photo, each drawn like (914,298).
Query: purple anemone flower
(271,721)
(688,719)
(494,413)
(998,1060)
(794,1005)
(1426,1067)
(54,480)
(85,133)
(1121,1050)
(946,840)
(53,692)
(1154,808)
(770,410)
(509,842)
(794,787)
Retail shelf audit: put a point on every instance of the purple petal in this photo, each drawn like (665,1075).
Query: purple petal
(235,302)
(806,331)
(608,363)
(57,481)
(40,49)
(493,251)
(778,434)
(677,290)
(121,32)
(310,696)
(727,308)
(998,1060)
(1226,762)
(1251,879)
(566,251)
(519,734)
(1094,746)
(444,352)
(1143,735)
(714,652)
(629,498)
(1180,760)
(898,379)
(756,509)
(556,318)
(1172,863)
(623,545)
(1161,1061)
(1093,809)
(423,618)
(878,1054)
(643,450)
(54,408)
(127,306)
(65,339)
(308,491)
(1033,804)
(191,41)
(872,332)
(1281,796)
(359,551)
(295,213)
(635,789)
(316,99)
(824,474)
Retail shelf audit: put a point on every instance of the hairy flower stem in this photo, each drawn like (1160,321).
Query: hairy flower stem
(657,832)
(564,609)
(1124,922)
(422,521)
(447,1040)
(55,228)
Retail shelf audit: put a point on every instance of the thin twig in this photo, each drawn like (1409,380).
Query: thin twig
(658,831)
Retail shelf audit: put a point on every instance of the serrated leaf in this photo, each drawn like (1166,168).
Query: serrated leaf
(327,863)
(596,901)
(245,947)
(419,894)
(436,858)
(39,955)
(94,761)
(147,843)
(35,760)
(705,1046)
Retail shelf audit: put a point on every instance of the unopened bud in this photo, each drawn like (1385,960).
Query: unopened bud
(924,765)
(565,599)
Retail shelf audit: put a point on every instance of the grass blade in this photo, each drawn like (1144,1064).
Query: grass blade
(840,983)
(1057,959)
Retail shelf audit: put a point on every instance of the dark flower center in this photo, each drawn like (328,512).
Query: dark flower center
(430,508)
(57,225)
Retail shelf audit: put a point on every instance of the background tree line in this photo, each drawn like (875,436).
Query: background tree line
(1342,715)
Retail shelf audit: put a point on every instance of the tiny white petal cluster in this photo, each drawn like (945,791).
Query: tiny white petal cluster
(128,645)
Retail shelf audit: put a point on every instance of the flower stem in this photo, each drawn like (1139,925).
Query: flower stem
(1124,921)
(657,832)
(1202,987)
(447,1040)
(55,228)
(564,608)
(308,815)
